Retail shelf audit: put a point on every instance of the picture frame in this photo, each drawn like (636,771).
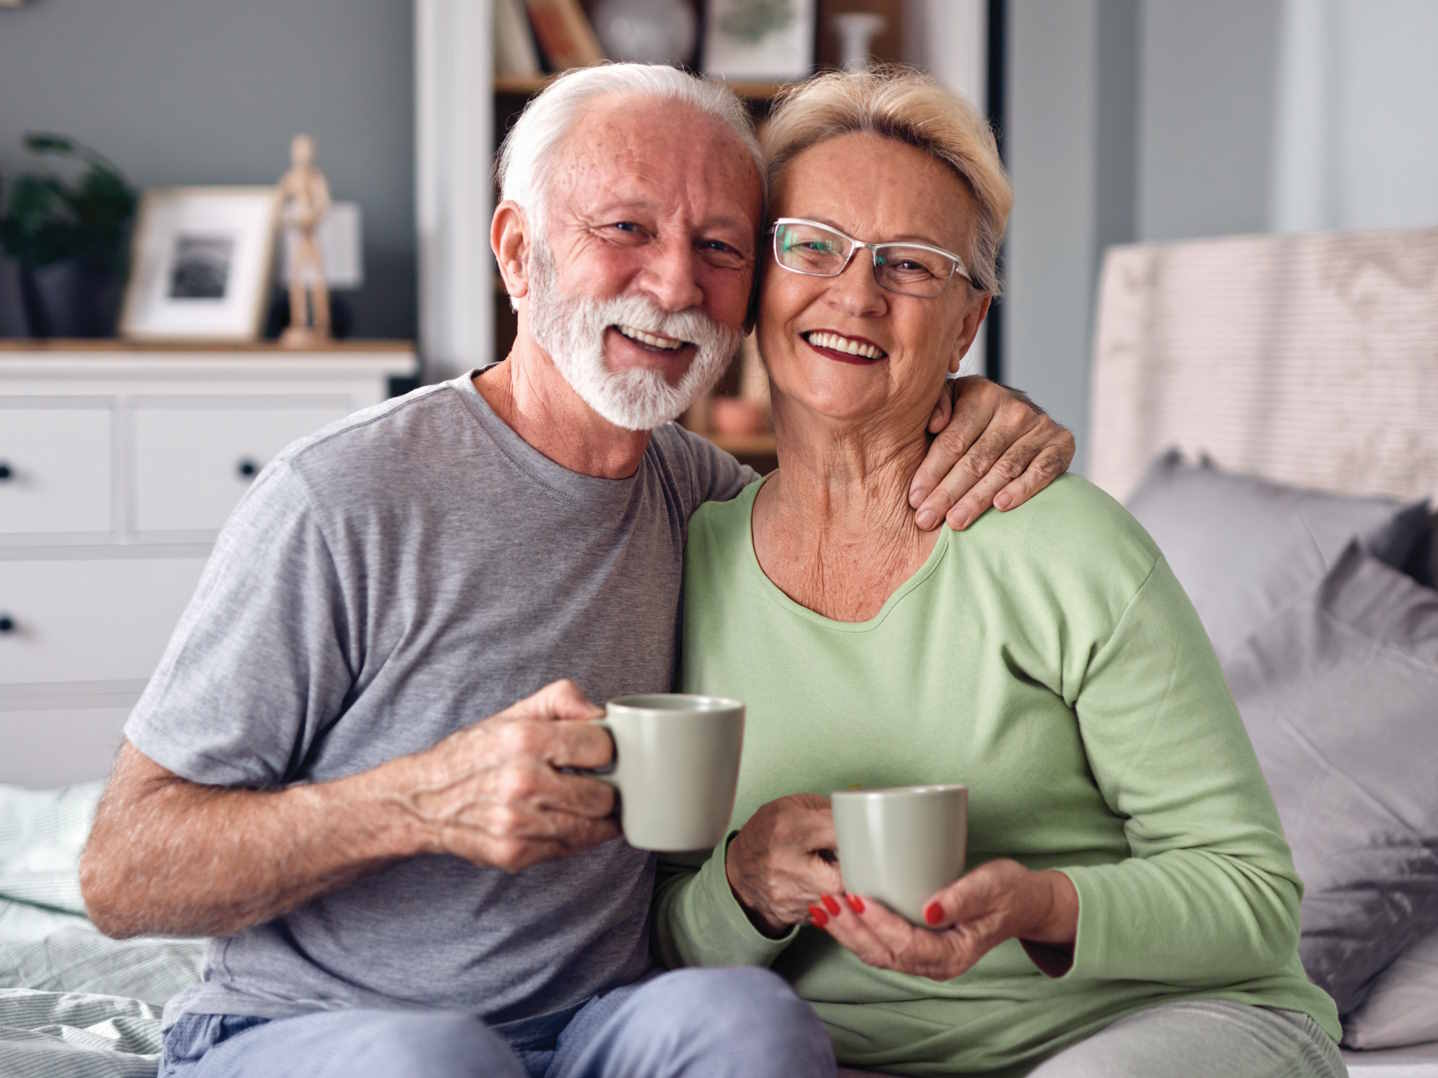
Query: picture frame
(759,40)
(200,264)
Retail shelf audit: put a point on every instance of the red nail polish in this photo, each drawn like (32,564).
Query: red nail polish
(818,917)
(832,905)
(933,913)
(855,903)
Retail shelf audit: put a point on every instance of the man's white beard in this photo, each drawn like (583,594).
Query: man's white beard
(571,329)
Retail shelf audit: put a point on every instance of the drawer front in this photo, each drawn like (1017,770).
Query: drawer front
(193,462)
(90,620)
(49,747)
(54,469)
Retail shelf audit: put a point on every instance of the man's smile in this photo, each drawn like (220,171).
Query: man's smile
(653,340)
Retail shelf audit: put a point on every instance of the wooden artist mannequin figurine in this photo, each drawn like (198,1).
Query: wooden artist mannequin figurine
(305,198)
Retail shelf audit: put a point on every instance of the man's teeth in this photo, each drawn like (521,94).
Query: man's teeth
(636,334)
(844,344)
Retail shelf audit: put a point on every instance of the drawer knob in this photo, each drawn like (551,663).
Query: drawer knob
(247,468)
(7,623)
(5,472)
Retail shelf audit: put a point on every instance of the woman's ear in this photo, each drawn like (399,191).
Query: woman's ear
(969,329)
(509,239)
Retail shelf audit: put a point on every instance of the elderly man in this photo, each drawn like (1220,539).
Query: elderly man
(402,874)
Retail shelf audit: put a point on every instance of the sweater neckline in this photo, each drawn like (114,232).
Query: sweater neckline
(776,594)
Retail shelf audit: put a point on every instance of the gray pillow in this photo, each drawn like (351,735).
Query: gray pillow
(1422,563)
(1339,692)
(1402,1007)
(1243,547)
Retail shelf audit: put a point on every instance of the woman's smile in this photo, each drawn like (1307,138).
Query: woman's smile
(843,347)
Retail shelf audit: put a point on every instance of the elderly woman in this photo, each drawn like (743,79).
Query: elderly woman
(1131,907)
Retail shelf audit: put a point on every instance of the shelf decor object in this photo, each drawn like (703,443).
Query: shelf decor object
(200,263)
(856,31)
(304,195)
(514,53)
(759,39)
(646,31)
(564,34)
(69,238)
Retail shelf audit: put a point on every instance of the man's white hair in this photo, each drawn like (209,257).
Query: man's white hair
(524,159)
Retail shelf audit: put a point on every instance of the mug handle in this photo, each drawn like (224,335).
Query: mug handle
(608,774)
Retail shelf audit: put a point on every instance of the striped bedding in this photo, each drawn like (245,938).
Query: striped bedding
(73,1004)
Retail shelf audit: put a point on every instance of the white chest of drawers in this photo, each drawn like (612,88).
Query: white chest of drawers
(118,466)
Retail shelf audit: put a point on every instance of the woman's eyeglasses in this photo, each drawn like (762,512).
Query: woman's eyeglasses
(910,269)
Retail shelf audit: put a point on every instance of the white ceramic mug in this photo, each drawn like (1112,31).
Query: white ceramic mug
(676,767)
(901,844)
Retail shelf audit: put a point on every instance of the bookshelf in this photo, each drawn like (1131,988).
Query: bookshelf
(527,86)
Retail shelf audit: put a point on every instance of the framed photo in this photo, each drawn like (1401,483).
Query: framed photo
(200,263)
(759,40)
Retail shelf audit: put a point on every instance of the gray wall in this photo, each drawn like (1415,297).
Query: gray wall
(1207,103)
(1158,120)
(210,91)
(1070,141)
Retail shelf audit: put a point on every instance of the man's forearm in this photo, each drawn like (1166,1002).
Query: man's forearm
(170,857)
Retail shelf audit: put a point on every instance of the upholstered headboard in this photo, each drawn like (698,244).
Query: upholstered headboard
(1308,359)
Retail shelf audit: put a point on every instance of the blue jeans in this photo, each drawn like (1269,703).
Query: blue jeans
(690,1022)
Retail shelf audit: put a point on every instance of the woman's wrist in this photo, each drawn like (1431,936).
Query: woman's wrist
(734,876)
(1057,900)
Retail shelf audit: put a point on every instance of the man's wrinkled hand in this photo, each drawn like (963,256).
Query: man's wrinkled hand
(993,446)
(498,793)
(782,861)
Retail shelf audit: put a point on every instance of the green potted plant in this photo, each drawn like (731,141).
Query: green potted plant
(70,239)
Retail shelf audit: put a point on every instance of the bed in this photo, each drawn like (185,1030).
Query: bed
(1231,378)
(1236,374)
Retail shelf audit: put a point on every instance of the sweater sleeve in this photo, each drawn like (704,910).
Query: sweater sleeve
(699,922)
(1209,895)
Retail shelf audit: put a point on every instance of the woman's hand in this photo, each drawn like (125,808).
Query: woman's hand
(997,901)
(994,446)
(782,861)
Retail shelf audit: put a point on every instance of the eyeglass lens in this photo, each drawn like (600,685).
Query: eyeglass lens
(823,252)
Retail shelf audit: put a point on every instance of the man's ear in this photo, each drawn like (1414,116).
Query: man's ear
(509,238)
(969,329)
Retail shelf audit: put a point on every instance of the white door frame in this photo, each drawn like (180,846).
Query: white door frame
(454,153)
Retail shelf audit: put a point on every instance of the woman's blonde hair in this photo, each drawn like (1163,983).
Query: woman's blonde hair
(903,104)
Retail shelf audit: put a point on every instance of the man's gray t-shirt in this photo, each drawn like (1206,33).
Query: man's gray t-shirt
(400,575)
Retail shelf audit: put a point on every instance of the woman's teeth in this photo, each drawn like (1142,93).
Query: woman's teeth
(636,334)
(844,344)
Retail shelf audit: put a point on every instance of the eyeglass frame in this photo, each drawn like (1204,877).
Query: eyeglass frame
(959,270)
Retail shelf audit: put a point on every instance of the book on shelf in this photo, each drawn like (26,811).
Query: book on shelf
(564,33)
(514,53)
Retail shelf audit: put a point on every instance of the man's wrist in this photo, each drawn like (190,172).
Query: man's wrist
(391,802)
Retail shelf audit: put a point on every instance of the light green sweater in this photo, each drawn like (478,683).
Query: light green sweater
(1048,659)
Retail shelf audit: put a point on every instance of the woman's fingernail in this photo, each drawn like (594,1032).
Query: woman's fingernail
(1003,501)
(958,521)
(832,905)
(855,903)
(933,913)
(916,496)
(817,917)
(926,519)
